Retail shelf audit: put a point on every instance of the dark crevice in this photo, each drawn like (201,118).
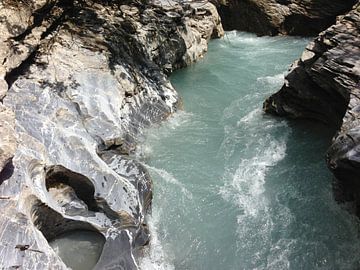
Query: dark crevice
(246,16)
(7,171)
(53,224)
(39,15)
(59,177)
(120,148)
(253,16)
(82,186)
(54,26)
(22,69)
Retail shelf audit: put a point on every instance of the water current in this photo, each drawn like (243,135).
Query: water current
(237,189)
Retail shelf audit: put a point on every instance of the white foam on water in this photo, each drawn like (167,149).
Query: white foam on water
(247,183)
(244,40)
(238,134)
(244,182)
(169,178)
(279,254)
(275,80)
(251,116)
(155,257)
(231,34)
(178,119)
(236,37)
(159,132)
(245,188)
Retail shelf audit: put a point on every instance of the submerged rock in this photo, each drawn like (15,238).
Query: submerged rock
(79,82)
(325,85)
(289,17)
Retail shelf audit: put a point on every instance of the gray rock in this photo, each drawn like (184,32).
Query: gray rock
(289,17)
(81,80)
(325,85)
(7,138)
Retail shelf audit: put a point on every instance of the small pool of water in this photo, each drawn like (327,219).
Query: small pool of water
(237,189)
(79,250)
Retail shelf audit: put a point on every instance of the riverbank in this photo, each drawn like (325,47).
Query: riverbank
(83,79)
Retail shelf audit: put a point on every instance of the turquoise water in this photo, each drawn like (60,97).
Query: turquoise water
(237,189)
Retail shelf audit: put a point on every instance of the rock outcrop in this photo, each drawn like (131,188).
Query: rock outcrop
(7,135)
(288,17)
(325,85)
(79,82)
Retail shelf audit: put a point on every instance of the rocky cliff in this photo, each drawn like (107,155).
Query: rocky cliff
(324,84)
(79,82)
(288,17)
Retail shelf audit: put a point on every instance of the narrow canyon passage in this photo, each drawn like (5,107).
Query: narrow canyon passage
(237,189)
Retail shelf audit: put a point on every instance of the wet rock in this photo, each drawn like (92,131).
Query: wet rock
(289,17)
(325,85)
(80,81)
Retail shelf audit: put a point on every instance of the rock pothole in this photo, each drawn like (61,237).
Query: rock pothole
(79,244)
(73,191)
(80,249)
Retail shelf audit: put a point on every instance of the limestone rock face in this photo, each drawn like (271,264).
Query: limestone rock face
(79,82)
(290,17)
(325,85)
(7,138)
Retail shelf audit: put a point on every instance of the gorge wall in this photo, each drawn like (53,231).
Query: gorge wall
(288,17)
(324,84)
(79,82)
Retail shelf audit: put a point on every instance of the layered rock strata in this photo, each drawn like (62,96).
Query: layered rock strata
(324,84)
(79,82)
(288,17)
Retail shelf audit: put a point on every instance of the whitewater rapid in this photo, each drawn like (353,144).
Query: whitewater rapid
(237,189)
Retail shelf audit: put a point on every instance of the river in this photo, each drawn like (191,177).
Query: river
(237,189)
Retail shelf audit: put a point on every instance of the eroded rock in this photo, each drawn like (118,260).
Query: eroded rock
(85,79)
(290,17)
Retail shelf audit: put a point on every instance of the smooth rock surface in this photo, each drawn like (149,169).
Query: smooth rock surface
(325,85)
(289,17)
(84,79)
(7,139)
